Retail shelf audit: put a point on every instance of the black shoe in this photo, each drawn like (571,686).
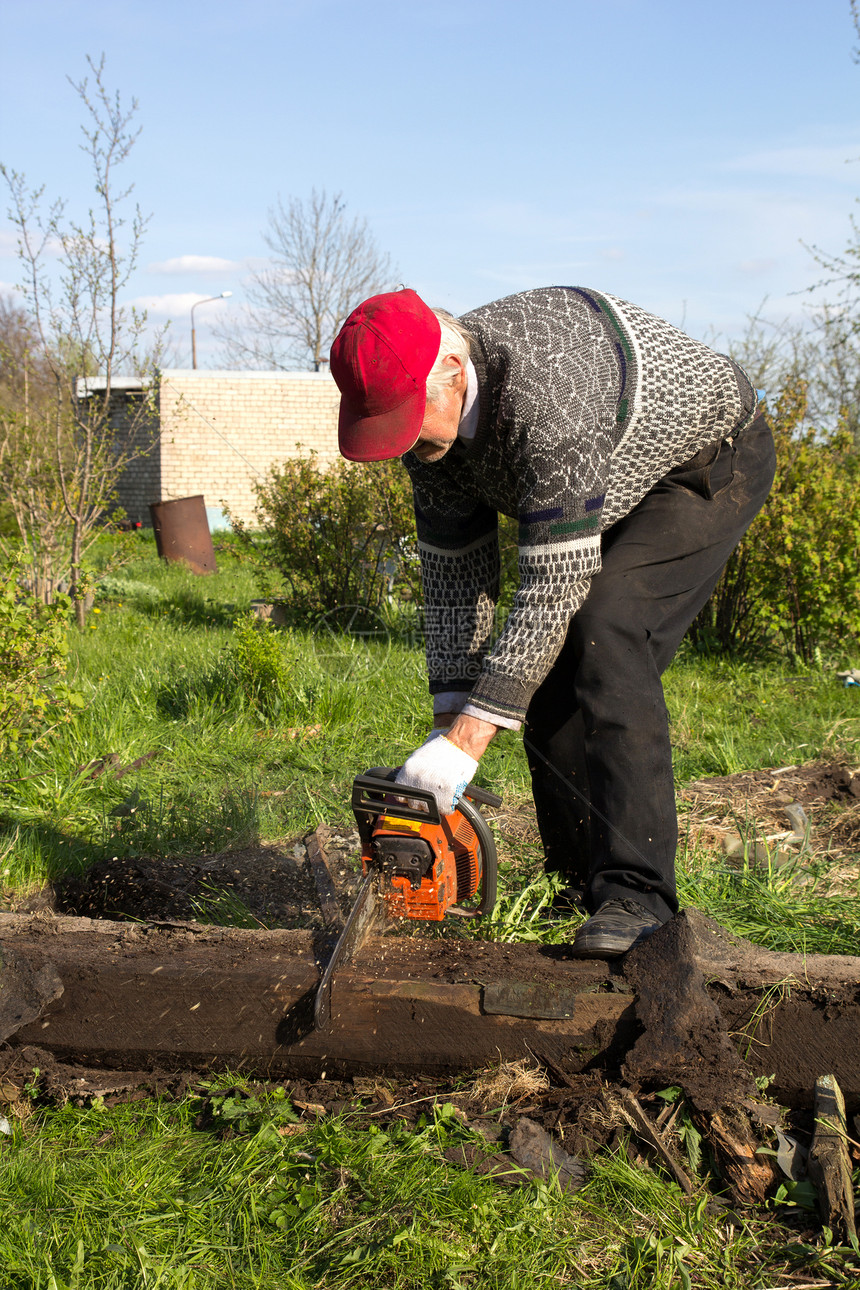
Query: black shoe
(614,929)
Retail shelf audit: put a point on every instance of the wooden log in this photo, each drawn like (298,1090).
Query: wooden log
(829,1161)
(138,996)
(187,995)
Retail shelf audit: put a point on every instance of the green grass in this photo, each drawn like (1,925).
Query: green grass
(136,1196)
(139,1197)
(153,675)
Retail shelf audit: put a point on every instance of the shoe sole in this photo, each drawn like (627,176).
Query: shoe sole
(602,946)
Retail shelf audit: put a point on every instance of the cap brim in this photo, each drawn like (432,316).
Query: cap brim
(380,438)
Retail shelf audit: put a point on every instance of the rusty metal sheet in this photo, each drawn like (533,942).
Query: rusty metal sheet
(531,999)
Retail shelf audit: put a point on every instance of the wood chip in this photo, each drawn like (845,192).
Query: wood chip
(310,1108)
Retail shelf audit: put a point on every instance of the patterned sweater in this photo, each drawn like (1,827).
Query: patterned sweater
(585,402)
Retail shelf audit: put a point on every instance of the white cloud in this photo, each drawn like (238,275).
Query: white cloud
(195,264)
(830,162)
(173,305)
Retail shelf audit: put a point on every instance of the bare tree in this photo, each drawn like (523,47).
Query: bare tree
(822,350)
(61,456)
(323,264)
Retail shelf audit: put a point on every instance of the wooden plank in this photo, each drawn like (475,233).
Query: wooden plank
(315,844)
(829,1161)
(182,995)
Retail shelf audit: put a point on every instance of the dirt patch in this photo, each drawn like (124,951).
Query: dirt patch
(33,1072)
(744,816)
(684,1039)
(268,885)
(811,785)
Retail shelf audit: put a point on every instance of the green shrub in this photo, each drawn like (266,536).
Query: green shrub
(794,580)
(257,665)
(35,695)
(336,537)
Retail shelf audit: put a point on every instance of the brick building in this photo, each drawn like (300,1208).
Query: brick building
(216,433)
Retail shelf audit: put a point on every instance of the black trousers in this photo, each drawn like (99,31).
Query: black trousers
(599,720)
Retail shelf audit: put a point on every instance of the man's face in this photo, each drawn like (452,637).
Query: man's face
(442,418)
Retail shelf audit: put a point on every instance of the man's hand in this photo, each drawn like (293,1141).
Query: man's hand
(471,734)
(445,763)
(440,768)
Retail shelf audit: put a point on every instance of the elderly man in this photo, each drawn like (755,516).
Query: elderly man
(634,459)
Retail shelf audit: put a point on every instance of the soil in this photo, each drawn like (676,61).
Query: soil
(268,885)
(751,805)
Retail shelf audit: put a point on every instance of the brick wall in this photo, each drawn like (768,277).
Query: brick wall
(140,483)
(221,431)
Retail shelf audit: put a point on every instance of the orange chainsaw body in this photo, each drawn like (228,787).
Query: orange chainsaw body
(448,851)
(417,863)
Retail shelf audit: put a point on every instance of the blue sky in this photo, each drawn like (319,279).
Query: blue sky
(674,153)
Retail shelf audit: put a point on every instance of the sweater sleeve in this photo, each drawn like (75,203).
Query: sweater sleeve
(458,544)
(559,553)
(559,510)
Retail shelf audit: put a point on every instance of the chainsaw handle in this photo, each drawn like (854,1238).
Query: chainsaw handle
(481,795)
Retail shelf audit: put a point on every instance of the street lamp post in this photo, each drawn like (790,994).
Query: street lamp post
(223,296)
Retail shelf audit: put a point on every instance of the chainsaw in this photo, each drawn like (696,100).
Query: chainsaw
(416,863)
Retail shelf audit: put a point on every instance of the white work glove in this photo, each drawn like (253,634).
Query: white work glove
(440,768)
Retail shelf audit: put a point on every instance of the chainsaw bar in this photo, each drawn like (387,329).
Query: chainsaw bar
(365,916)
(371,799)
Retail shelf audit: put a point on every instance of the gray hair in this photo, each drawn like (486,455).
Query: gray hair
(455,339)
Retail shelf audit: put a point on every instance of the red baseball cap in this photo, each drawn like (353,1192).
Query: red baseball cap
(381,359)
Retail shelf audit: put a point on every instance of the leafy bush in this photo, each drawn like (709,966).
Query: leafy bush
(344,538)
(35,696)
(335,537)
(795,578)
(256,665)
